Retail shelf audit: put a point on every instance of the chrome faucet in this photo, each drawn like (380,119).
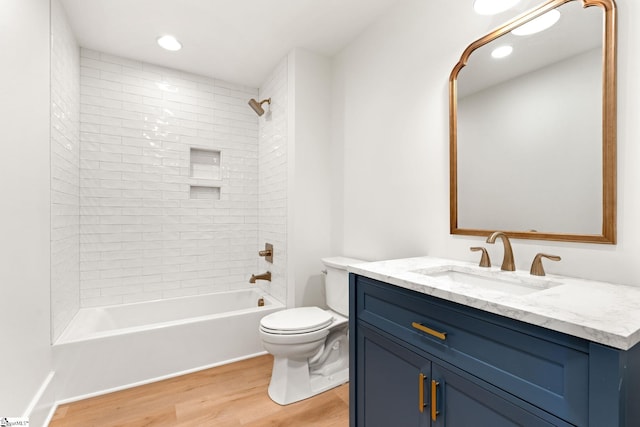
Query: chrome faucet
(263,276)
(507,260)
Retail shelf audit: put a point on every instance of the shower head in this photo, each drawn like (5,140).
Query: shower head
(257,106)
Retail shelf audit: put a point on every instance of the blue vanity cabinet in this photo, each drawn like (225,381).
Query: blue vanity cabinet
(399,387)
(396,381)
(412,354)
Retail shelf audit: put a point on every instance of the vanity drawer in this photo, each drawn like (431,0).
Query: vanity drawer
(546,368)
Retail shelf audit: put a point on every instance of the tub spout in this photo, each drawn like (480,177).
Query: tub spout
(263,276)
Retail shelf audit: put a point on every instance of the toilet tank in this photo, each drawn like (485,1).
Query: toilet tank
(337,283)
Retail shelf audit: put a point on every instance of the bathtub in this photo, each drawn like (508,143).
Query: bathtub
(110,348)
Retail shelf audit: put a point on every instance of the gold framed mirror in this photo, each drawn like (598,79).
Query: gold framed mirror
(533,136)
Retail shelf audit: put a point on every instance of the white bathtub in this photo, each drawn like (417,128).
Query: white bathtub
(110,348)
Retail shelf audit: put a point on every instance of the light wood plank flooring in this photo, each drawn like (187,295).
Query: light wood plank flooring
(230,395)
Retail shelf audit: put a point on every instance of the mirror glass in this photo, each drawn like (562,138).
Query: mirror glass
(533,133)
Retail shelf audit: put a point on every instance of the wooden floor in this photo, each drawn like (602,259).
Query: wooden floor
(229,395)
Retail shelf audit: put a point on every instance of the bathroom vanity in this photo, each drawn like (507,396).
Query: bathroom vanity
(441,343)
(435,342)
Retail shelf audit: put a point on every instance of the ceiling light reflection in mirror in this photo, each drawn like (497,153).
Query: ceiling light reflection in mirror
(539,24)
(169,42)
(502,52)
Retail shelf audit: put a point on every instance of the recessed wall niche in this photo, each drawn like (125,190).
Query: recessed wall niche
(204,192)
(204,164)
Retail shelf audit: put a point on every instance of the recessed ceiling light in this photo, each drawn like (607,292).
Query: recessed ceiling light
(502,51)
(541,23)
(492,7)
(169,43)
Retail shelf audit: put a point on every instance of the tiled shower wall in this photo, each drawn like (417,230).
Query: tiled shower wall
(272,187)
(65,161)
(151,225)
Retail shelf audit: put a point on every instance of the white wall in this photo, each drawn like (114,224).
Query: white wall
(310,168)
(25,359)
(390,121)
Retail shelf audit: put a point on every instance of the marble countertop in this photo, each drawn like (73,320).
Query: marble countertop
(601,312)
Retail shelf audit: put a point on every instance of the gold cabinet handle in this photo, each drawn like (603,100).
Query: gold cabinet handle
(421,404)
(434,410)
(432,332)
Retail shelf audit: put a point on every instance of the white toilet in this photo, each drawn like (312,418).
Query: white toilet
(311,345)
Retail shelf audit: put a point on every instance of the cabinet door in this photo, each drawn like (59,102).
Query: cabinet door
(462,403)
(392,383)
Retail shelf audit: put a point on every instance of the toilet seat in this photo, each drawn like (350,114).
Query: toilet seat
(295,321)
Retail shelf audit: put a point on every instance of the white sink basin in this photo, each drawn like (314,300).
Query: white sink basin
(502,281)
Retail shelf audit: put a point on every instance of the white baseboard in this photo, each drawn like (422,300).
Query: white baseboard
(42,406)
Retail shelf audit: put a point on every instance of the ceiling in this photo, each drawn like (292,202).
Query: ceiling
(239,41)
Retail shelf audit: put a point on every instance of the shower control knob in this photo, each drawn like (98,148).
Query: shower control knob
(267,253)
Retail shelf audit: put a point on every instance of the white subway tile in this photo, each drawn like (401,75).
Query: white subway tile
(141,73)
(98,64)
(160,269)
(102,301)
(138,126)
(100,283)
(65,163)
(141,297)
(122,290)
(115,166)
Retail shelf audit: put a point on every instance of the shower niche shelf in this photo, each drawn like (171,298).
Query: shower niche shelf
(202,192)
(205,171)
(204,164)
